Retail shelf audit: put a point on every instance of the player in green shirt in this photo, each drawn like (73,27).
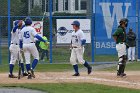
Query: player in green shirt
(120,39)
(44,49)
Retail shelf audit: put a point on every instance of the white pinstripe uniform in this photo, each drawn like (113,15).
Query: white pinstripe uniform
(27,36)
(77,48)
(14,47)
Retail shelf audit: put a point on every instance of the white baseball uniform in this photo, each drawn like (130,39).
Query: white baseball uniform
(121,48)
(27,36)
(131,53)
(14,47)
(77,48)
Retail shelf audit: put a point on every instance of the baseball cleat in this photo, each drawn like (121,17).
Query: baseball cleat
(76,74)
(12,76)
(24,74)
(29,75)
(32,73)
(89,70)
(121,75)
(118,74)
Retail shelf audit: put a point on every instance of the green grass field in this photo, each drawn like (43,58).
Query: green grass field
(69,87)
(74,88)
(133,66)
(67,67)
(62,55)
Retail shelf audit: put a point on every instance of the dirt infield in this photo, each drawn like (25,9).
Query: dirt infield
(100,77)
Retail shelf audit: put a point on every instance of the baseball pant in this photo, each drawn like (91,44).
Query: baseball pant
(131,53)
(121,49)
(14,50)
(28,50)
(77,55)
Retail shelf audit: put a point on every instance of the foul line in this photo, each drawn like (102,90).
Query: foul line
(95,79)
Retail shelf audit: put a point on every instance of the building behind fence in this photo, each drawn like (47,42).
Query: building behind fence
(103,14)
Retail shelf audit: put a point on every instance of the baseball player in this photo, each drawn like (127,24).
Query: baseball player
(15,50)
(120,39)
(131,41)
(77,45)
(27,43)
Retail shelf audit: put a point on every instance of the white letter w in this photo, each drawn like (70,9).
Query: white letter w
(117,11)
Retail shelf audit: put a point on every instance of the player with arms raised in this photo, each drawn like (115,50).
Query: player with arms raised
(15,50)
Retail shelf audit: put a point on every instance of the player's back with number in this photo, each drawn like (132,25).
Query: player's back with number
(27,34)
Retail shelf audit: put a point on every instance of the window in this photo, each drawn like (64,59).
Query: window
(37,2)
(66,4)
(76,4)
(47,3)
(43,6)
(83,5)
(56,4)
(40,2)
(32,3)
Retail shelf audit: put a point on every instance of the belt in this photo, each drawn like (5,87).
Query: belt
(29,43)
(121,42)
(74,47)
(14,43)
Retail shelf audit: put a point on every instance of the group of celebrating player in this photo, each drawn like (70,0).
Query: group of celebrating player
(23,40)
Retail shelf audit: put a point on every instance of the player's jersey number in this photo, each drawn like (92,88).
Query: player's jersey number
(26,34)
(76,40)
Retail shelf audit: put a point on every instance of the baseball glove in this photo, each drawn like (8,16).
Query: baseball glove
(127,46)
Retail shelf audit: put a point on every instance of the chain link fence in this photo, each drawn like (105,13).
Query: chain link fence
(102,46)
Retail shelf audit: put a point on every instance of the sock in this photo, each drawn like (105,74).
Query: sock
(28,67)
(87,65)
(76,68)
(22,67)
(35,61)
(11,66)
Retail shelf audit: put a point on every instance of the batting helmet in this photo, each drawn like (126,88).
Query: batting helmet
(124,20)
(16,22)
(77,23)
(28,21)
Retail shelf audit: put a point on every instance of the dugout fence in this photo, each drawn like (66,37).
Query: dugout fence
(103,15)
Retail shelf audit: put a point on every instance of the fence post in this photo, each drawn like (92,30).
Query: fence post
(138,34)
(50,28)
(137,31)
(93,28)
(0,43)
(9,28)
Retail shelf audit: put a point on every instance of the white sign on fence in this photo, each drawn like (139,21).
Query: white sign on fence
(38,25)
(64,29)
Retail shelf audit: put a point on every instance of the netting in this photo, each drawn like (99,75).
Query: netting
(103,14)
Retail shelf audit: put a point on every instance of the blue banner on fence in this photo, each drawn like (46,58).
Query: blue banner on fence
(139,31)
(107,16)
